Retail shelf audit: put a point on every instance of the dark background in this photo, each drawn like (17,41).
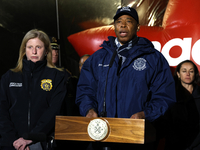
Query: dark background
(19,16)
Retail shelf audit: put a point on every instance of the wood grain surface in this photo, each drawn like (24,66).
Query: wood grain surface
(122,130)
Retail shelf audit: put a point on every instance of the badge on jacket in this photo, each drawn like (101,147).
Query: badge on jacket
(139,64)
(46,84)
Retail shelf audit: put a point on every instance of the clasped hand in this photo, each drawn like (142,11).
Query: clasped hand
(22,144)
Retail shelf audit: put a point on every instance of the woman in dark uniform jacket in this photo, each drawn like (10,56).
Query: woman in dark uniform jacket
(182,120)
(31,95)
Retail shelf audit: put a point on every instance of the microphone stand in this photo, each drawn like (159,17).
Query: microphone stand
(104,112)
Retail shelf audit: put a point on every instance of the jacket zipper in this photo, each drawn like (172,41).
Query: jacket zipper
(29,106)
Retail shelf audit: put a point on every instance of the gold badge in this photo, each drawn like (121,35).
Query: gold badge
(46,84)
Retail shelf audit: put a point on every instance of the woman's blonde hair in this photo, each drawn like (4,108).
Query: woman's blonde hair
(35,33)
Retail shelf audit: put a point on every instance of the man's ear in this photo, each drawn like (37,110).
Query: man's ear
(138,27)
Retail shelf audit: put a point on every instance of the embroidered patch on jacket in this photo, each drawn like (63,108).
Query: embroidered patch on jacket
(14,84)
(139,64)
(46,84)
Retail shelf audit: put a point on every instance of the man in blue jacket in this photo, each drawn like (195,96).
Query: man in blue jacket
(127,78)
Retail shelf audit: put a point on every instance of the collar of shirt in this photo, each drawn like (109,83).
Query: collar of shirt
(122,48)
(118,44)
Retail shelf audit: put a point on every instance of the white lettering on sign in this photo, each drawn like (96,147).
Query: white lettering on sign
(196,52)
(187,50)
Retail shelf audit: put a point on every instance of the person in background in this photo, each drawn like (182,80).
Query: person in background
(69,107)
(126,78)
(55,51)
(182,120)
(82,61)
(31,96)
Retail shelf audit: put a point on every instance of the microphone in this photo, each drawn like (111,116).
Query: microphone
(104,113)
(112,59)
(119,65)
(41,137)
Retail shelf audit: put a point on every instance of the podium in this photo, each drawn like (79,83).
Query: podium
(118,130)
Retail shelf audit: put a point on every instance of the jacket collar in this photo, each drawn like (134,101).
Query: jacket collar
(142,44)
(196,91)
(30,66)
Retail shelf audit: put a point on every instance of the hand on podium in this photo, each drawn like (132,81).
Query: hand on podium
(91,114)
(139,115)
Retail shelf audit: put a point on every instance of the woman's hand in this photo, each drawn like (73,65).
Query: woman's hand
(21,144)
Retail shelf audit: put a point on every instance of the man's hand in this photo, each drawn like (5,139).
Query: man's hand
(91,114)
(21,144)
(139,115)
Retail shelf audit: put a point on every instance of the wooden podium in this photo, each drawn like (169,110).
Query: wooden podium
(120,130)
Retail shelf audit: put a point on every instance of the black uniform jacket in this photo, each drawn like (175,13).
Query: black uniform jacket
(30,100)
(182,125)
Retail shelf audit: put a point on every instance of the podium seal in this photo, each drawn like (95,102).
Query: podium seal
(98,129)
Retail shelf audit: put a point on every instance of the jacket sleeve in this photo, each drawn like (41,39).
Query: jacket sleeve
(162,90)
(86,88)
(8,133)
(46,123)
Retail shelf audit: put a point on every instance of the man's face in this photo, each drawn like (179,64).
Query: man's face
(126,28)
(81,62)
(55,56)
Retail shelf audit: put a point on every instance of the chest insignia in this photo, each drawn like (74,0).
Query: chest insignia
(14,84)
(46,84)
(139,64)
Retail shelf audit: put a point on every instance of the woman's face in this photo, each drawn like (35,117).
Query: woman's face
(35,50)
(187,73)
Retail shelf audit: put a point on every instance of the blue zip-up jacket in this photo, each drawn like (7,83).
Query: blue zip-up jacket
(143,83)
